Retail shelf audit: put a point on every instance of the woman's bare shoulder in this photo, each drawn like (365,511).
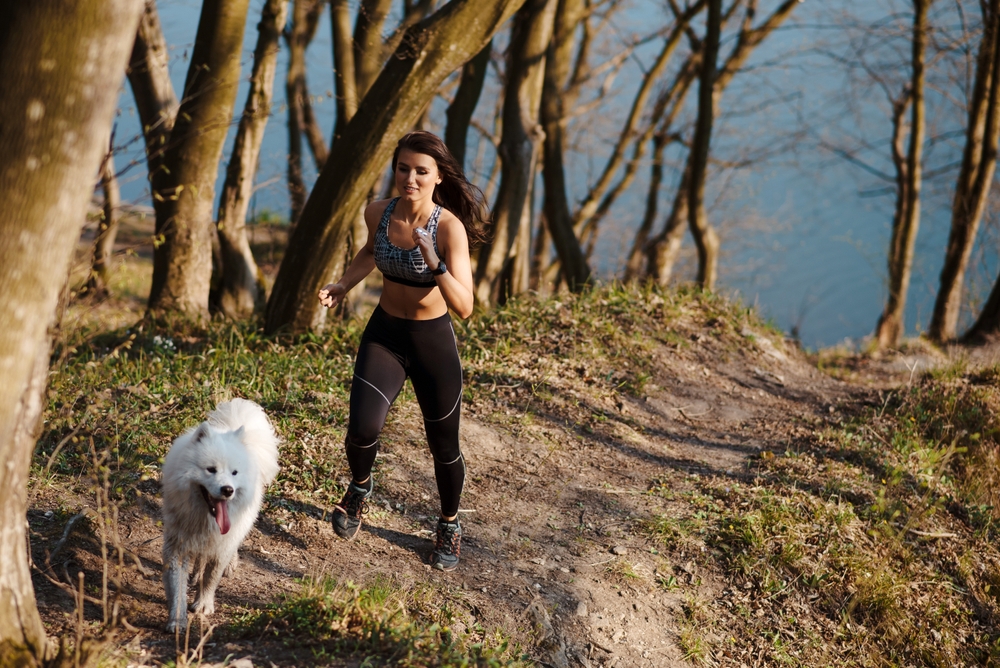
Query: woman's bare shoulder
(374,211)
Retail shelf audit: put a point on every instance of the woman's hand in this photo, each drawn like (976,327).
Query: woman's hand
(422,238)
(332,294)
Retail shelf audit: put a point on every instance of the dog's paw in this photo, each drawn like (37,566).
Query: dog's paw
(200,607)
(173,626)
(232,567)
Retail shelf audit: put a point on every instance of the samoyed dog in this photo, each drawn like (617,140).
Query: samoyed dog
(213,482)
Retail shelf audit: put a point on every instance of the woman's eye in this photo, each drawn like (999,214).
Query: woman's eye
(212,469)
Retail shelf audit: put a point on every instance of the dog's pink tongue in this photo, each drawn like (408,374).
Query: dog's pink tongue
(222,516)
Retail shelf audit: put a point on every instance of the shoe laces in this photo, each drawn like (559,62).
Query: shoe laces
(448,538)
(355,502)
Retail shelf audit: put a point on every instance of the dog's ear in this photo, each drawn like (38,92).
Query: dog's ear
(200,434)
(239,433)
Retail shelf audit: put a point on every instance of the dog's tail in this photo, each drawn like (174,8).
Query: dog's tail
(258,434)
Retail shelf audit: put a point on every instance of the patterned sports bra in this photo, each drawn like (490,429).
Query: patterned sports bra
(404,265)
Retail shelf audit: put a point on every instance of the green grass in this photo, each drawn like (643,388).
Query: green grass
(382,623)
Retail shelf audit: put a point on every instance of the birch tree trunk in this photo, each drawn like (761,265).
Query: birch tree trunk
(240,283)
(61,63)
(428,52)
(890,326)
(182,263)
(975,178)
(519,146)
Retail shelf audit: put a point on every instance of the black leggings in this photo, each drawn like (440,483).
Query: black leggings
(392,349)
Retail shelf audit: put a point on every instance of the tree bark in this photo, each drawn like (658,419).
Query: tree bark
(555,101)
(182,267)
(519,146)
(240,283)
(155,100)
(369,48)
(890,327)
(463,105)
(975,178)
(61,63)
(107,230)
(705,237)
(344,68)
(429,51)
(305,19)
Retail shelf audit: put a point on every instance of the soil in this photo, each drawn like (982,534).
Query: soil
(553,549)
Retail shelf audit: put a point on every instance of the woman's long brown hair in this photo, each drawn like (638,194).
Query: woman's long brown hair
(455,192)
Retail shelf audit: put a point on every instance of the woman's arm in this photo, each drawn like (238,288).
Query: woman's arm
(362,264)
(456,283)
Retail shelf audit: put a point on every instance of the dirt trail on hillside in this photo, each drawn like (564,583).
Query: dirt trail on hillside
(553,512)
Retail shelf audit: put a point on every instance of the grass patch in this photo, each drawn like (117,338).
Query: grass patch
(884,524)
(381,622)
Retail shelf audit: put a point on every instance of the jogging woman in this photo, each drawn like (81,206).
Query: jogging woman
(420,242)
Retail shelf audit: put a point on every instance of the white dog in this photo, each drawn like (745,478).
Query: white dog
(213,484)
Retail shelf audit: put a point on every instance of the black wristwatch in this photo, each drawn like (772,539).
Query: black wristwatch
(442,268)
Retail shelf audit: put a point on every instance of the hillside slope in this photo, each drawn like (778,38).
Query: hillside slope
(655,478)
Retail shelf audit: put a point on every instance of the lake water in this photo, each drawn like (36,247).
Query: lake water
(803,240)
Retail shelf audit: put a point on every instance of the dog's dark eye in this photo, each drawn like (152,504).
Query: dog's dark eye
(235,472)
(211,469)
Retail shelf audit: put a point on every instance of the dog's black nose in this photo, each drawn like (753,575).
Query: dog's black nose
(227,491)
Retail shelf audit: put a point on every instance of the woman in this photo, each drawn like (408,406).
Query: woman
(420,242)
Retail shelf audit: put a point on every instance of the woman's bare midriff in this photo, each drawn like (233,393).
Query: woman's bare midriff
(403,301)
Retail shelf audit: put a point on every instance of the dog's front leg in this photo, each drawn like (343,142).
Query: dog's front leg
(208,583)
(175,575)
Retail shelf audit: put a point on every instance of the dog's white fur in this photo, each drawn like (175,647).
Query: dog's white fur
(230,458)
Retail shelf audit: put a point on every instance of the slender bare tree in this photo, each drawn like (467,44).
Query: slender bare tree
(559,96)
(463,104)
(240,285)
(975,179)
(61,64)
(300,32)
(503,264)
(107,231)
(428,52)
(909,170)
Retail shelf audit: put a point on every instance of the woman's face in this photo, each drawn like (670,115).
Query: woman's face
(416,175)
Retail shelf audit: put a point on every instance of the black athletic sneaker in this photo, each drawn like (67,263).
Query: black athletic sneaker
(347,515)
(448,545)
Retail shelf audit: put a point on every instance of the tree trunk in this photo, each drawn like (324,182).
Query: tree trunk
(705,237)
(155,100)
(636,258)
(522,137)
(369,48)
(463,105)
(61,64)
(975,179)
(428,53)
(182,266)
(305,18)
(904,234)
(344,69)
(107,230)
(240,284)
(558,217)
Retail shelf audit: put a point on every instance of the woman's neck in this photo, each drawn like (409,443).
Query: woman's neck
(412,212)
